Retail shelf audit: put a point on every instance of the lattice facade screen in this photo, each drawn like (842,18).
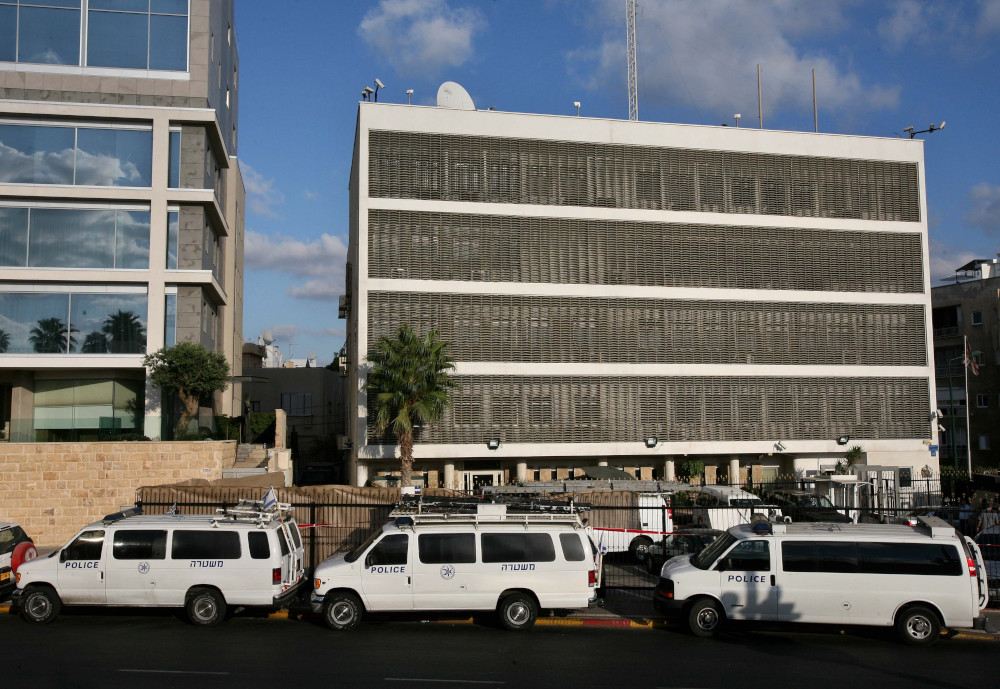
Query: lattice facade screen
(487,327)
(567,409)
(456,246)
(446,167)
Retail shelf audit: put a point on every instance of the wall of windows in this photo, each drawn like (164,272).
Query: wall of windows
(74,238)
(130,34)
(88,409)
(74,323)
(63,154)
(173,237)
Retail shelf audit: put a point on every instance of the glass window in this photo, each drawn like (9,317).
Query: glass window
(173,237)
(391,550)
(168,46)
(819,556)
(132,239)
(436,549)
(71,238)
(909,558)
(114,157)
(87,546)
(293,531)
(117,39)
(170,321)
(139,545)
(748,556)
(260,549)
(572,547)
(34,323)
(13,236)
(977,317)
(49,35)
(110,323)
(205,545)
(8,33)
(297,403)
(518,547)
(36,155)
(174,169)
(283,543)
(169,7)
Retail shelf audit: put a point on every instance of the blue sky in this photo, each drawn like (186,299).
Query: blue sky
(881,65)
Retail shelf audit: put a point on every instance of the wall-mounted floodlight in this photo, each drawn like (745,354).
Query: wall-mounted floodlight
(576,104)
(378,85)
(779,447)
(651,441)
(409,94)
(843,440)
(493,443)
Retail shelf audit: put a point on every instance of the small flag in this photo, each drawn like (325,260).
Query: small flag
(970,359)
(270,499)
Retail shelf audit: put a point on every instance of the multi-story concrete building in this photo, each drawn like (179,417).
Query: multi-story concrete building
(121,208)
(969,310)
(642,294)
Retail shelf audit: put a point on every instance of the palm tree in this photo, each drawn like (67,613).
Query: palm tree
(125,332)
(4,341)
(409,376)
(49,336)
(96,343)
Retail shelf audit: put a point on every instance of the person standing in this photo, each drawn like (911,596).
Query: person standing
(988,518)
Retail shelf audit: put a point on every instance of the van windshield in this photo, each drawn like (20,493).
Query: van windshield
(709,555)
(745,502)
(356,553)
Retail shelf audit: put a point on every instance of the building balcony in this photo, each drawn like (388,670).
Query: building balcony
(950,331)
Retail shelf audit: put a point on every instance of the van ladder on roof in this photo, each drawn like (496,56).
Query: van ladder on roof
(430,510)
(253,511)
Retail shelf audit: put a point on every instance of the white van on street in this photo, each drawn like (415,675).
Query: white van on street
(635,528)
(721,507)
(919,579)
(247,556)
(484,558)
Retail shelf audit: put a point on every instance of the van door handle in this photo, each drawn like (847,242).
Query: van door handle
(772,580)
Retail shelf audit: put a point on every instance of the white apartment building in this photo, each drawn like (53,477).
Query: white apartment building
(641,294)
(121,210)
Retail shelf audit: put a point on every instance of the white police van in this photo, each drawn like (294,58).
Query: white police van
(916,578)
(445,557)
(720,507)
(246,556)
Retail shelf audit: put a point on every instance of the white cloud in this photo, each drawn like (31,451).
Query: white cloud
(323,290)
(309,195)
(984,213)
(322,259)
(989,17)
(417,36)
(261,192)
(906,22)
(705,53)
(944,261)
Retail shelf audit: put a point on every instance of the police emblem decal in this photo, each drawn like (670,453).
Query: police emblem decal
(143,568)
(447,572)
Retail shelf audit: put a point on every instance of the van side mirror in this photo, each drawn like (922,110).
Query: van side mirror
(62,556)
(369,560)
(724,565)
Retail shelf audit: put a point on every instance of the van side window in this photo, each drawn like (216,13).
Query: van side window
(391,550)
(518,547)
(909,558)
(748,556)
(572,547)
(87,546)
(205,545)
(260,549)
(819,556)
(438,549)
(139,545)
(282,542)
(293,529)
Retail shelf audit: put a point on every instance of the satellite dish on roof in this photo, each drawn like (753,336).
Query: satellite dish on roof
(452,95)
(267,337)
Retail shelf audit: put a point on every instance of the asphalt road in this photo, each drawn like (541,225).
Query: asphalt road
(149,649)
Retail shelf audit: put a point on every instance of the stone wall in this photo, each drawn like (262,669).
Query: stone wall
(54,489)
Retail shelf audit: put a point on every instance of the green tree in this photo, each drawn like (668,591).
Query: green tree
(125,332)
(4,341)
(191,371)
(96,343)
(49,336)
(409,376)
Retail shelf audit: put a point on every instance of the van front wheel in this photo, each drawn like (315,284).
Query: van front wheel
(704,618)
(40,605)
(918,626)
(205,608)
(517,611)
(639,548)
(342,611)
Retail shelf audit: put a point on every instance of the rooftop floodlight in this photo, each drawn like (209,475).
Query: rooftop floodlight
(930,129)
(409,94)
(737,117)
(779,447)
(367,92)
(843,440)
(651,441)
(493,443)
(378,85)
(576,104)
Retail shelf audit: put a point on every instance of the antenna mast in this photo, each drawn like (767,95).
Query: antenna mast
(633,77)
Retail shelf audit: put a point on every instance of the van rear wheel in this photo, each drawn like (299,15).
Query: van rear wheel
(205,608)
(342,611)
(517,612)
(639,548)
(705,618)
(918,626)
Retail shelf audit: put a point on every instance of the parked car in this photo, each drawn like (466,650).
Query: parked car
(689,542)
(12,554)
(803,506)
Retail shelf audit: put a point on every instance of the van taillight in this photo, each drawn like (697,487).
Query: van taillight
(670,514)
(276,575)
(972,567)
(592,578)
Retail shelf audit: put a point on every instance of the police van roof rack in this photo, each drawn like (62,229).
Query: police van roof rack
(443,509)
(247,510)
(124,514)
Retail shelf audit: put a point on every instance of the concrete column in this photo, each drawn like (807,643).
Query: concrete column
(522,472)
(362,474)
(668,470)
(449,475)
(734,469)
